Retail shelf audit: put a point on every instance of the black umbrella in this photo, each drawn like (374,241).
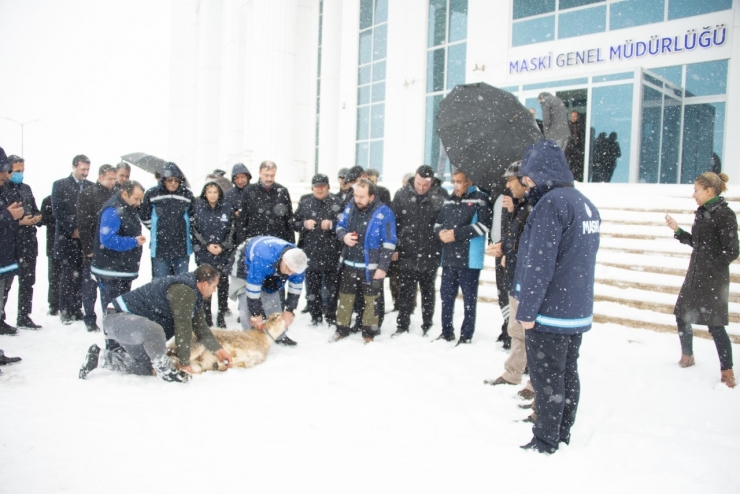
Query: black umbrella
(484,129)
(148,163)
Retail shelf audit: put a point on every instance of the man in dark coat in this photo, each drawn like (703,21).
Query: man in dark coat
(462,226)
(267,208)
(26,244)
(54,266)
(167,210)
(315,221)
(384,195)
(150,315)
(554,283)
(10,214)
(123,174)
(240,177)
(89,203)
(418,249)
(67,248)
(345,188)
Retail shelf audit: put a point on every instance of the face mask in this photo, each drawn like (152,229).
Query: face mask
(16,177)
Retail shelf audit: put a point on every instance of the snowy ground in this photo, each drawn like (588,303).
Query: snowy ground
(400,415)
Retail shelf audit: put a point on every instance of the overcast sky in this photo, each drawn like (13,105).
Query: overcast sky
(96,72)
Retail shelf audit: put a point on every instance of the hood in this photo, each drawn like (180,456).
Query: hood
(239,168)
(544,162)
(172,170)
(220,191)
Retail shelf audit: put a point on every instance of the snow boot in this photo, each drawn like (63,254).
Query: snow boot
(728,377)
(5,360)
(91,361)
(686,361)
(166,372)
(221,321)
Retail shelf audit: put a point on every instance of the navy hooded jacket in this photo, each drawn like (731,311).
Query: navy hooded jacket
(554,278)
(168,216)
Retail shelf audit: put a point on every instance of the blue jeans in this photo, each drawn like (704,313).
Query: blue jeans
(167,267)
(465,279)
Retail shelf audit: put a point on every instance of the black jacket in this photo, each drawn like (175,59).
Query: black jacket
(89,203)
(213,226)
(268,212)
(345,199)
(384,195)
(64,195)
(706,289)
(512,226)
(321,246)
(418,247)
(47,220)
(26,242)
(8,232)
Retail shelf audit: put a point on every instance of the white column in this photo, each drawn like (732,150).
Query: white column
(208,95)
(272,94)
(330,106)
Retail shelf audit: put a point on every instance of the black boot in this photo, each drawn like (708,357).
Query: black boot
(91,361)
(7,329)
(4,360)
(25,322)
(220,321)
(285,341)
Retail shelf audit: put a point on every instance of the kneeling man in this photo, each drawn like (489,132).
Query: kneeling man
(144,319)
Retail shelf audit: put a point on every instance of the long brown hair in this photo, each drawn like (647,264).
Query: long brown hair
(711,180)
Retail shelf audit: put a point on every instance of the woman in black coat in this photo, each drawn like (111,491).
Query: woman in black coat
(705,291)
(213,230)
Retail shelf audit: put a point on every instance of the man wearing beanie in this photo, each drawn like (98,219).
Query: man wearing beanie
(260,269)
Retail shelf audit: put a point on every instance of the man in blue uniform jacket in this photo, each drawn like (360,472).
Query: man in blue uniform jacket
(262,266)
(554,283)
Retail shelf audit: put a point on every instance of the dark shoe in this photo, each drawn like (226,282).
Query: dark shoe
(331,323)
(166,372)
(446,337)
(91,361)
(27,323)
(532,419)
(305,310)
(53,312)
(317,321)
(425,329)
(399,331)
(79,316)
(7,329)
(507,343)
(221,321)
(209,321)
(525,406)
(526,394)
(463,341)
(503,335)
(92,328)
(495,382)
(4,360)
(285,341)
(66,319)
(533,446)
(526,370)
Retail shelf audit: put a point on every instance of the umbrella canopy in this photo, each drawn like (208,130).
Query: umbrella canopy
(148,163)
(484,129)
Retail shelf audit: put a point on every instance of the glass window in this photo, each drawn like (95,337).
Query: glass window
(376,124)
(431,141)
(363,95)
(569,4)
(672,74)
(378,92)
(378,71)
(376,155)
(613,77)
(630,13)
(703,139)
(528,8)
(363,75)
(366,13)
(534,103)
(652,80)
(366,46)
(458,20)
(652,115)
(436,70)
(611,124)
(678,9)
(363,122)
(533,31)
(437,22)
(380,41)
(456,65)
(381,11)
(671,139)
(511,89)
(361,156)
(707,78)
(580,22)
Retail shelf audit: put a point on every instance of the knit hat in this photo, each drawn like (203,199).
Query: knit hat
(296,260)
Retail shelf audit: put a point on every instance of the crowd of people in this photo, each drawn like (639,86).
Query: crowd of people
(348,242)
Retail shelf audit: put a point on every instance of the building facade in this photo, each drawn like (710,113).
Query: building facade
(317,85)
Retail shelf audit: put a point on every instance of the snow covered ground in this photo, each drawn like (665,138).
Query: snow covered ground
(407,414)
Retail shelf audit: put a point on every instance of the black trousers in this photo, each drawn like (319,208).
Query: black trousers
(719,335)
(70,285)
(407,294)
(55,273)
(223,297)
(553,368)
(315,280)
(26,280)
